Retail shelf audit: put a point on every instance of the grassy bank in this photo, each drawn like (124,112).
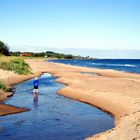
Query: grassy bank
(2,86)
(16,64)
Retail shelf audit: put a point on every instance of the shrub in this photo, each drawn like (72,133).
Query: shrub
(15,64)
(2,86)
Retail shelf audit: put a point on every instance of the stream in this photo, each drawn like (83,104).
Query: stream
(51,116)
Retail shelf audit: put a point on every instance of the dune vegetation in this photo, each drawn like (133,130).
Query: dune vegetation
(2,86)
(15,64)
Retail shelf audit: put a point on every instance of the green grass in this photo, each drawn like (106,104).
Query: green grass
(2,86)
(15,64)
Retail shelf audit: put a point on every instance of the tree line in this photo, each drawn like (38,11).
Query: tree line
(47,54)
(4,50)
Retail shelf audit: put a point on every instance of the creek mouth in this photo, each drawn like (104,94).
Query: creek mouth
(51,116)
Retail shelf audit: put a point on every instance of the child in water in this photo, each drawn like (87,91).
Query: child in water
(35,84)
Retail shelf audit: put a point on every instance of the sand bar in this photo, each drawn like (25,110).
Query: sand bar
(115,92)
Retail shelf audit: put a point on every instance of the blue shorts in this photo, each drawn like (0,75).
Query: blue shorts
(35,87)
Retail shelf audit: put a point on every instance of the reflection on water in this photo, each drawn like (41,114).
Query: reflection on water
(51,116)
(35,101)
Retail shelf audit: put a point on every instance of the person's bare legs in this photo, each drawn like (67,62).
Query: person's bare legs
(35,92)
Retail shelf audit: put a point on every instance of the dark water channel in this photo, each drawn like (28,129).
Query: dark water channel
(51,116)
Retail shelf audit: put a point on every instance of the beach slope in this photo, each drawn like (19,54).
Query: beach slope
(117,93)
(112,91)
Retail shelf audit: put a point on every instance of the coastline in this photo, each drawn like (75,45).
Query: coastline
(112,91)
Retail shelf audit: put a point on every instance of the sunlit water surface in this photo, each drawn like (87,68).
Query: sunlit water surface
(51,116)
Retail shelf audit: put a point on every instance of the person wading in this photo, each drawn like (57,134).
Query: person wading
(35,84)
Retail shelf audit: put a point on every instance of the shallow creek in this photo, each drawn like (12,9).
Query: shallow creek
(51,116)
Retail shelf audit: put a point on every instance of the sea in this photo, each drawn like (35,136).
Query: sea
(126,65)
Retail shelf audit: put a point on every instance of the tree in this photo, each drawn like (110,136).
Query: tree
(69,56)
(4,49)
(1,47)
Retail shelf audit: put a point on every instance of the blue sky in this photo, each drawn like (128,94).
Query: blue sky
(35,25)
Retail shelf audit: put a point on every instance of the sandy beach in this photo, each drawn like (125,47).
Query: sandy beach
(10,78)
(112,91)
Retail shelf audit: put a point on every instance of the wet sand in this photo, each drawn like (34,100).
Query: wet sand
(8,109)
(115,92)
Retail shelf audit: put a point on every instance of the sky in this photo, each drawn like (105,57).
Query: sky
(83,25)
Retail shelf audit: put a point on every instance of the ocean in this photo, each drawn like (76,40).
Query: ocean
(127,65)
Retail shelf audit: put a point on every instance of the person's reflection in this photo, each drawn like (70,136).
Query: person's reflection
(35,103)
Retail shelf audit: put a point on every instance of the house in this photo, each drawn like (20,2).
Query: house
(27,54)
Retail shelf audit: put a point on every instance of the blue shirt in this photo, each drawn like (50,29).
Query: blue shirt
(35,83)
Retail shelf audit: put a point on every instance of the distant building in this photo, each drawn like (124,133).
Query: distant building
(26,54)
